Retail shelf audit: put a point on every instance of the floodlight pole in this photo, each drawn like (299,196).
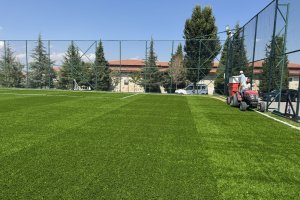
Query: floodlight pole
(229,61)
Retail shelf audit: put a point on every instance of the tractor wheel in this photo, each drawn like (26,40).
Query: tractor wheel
(228,100)
(261,106)
(234,102)
(243,106)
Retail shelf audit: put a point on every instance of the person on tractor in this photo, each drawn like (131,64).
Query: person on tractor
(248,85)
(243,83)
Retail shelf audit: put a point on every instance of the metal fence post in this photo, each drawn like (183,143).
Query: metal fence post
(96,66)
(120,76)
(283,53)
(254,49)
(171,87)
(146,57)
(71,81)
(272,61)
(5,60)
(298,95)
(49,64)
(27,67)
(199,65)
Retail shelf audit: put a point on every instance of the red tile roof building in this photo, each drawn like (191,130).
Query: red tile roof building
(137,65)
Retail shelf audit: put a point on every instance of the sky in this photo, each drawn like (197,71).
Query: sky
(115,20)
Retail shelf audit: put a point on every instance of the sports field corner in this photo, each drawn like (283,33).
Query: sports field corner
(91,145)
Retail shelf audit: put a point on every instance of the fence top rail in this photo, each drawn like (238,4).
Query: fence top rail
(182,40)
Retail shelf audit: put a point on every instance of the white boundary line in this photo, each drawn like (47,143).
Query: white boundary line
(275,119)
(278,120)
(129,96)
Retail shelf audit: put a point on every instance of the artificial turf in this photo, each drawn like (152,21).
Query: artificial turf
(89,145)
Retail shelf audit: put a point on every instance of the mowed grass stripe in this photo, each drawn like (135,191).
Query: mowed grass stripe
(31,121)
(253,157)
(48,166)
(160,156)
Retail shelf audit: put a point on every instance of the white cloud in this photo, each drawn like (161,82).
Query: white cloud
(88,57)
(258,39)
(57,57)
(21,56)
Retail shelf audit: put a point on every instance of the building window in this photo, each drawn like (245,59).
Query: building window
(126,82)
(290,79)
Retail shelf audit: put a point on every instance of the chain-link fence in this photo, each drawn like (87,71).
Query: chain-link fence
(271,45)
(129,65)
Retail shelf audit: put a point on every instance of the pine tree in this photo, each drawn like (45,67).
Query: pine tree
(42,73)
(219,83)
(102,78)
(10,69)
(151,75)
(239,56)
(237,60)
(72,68)
(200,54)
(275,63)
(87,74)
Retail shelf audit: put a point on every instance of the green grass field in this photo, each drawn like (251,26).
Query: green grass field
(88,145)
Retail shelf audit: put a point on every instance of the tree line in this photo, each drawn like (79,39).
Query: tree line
(42,75)
(189,64)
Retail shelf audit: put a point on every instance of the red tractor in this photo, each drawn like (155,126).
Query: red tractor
(249,98)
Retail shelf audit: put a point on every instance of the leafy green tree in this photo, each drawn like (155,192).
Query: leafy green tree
(115,78)
(151,73)
(41,74)
(135,78)
(200,54)
(220,81)
(274,62)
(177,69)
(102,79)
(176,73)
(10,69)
(71,68)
